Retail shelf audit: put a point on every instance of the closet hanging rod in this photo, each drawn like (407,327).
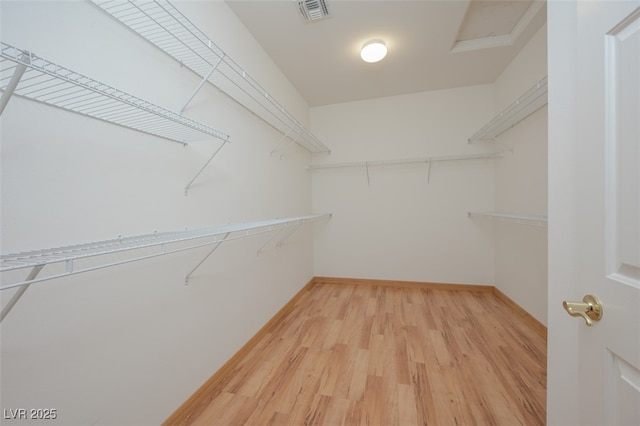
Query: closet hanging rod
(419,160)
(528,103)
(135,248)
(33,77)
(164,26)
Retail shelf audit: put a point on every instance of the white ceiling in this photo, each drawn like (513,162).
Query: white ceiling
(433,44)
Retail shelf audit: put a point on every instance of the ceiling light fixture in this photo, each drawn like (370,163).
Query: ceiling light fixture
(373,51)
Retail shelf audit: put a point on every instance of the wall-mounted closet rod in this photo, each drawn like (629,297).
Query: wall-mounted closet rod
(528,103)
(164,26)
(420,160)
(134,248)
(520,219)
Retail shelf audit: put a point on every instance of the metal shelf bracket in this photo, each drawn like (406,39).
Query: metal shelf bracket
(292,140)
(186,189)
(288,234)
(32,275)
(273,237)
(202,82)
(215,247)
(13,83)
(283,238)
(366,166)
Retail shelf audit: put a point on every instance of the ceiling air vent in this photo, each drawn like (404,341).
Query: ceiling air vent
(312,10)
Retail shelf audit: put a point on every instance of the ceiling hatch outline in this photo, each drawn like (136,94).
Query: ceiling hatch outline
(503,39)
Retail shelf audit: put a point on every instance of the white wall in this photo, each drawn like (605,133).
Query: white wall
(521,185)
(128,345)
(402,227)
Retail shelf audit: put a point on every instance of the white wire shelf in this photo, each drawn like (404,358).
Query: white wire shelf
(531,101)
(421,160)
(140,247)
(163,25)
(65,261)
(27,75)
(520,219)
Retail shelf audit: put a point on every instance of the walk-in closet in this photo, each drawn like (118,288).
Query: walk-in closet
(216,212)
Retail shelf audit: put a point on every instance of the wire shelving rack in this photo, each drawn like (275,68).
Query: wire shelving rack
(428,161)
(164,26)
(528,103)
(75,259)
(26,74)
(520,219)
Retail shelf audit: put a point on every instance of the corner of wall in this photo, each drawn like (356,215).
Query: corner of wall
(521,185)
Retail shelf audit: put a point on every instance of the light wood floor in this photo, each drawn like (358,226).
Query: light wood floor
(378,355)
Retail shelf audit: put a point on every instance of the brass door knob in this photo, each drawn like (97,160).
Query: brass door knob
(590,309)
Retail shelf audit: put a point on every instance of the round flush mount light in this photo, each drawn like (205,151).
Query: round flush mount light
(373,51)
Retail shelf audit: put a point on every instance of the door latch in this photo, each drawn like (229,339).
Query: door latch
(590,309)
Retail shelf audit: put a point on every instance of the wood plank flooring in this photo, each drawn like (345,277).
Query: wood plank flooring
(350,354)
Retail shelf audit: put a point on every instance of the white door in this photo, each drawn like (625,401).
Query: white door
(594,210)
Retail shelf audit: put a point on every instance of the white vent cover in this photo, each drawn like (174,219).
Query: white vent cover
(312,10)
